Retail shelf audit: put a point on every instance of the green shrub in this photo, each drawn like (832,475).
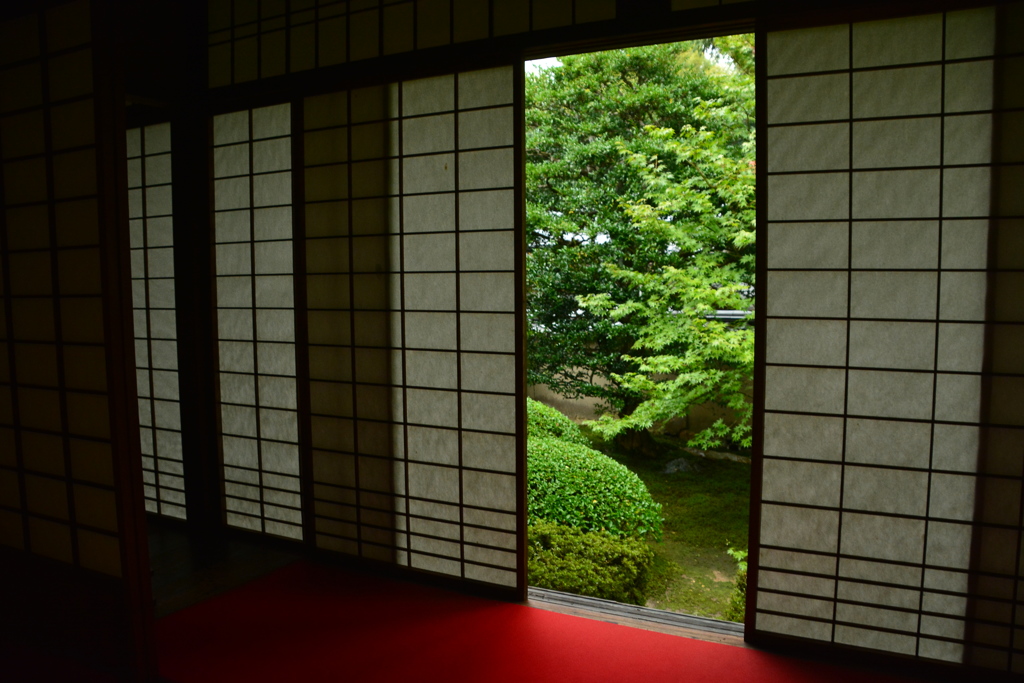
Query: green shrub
(588,563)
(579,487)
(544,421)
(737,609)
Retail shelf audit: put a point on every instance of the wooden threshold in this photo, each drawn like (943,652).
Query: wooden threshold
(647,618)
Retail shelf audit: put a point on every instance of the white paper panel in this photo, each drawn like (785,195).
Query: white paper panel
(430,416)
(155,315)
(256,319)
(876,439)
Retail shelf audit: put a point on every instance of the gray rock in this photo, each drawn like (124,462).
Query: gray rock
(681,465)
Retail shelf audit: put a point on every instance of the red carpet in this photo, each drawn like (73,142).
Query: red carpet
(312,623)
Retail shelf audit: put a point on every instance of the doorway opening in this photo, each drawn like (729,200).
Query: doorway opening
(640,190)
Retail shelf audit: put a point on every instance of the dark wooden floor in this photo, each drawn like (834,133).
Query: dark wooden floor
(187,570)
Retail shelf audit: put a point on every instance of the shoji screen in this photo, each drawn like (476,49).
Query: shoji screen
(411,250)
(156,349)
(70,477)
(894,399)
(250,40)
(57,460)
(256,319)
(678,5)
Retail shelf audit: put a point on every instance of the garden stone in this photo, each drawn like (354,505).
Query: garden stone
(681,465)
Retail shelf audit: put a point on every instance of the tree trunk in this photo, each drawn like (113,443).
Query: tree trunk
(637,441)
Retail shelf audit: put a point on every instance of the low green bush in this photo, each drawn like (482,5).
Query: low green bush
(579,487)
(543,421)
(590,563)
(737,609)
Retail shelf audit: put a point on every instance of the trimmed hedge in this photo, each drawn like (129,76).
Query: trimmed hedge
(579,487)
(544,421)
(588,563)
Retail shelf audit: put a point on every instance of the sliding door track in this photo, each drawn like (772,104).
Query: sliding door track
(673,623)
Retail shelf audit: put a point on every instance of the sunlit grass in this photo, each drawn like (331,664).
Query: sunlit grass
(705,512)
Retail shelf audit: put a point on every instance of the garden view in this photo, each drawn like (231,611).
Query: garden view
(640,286)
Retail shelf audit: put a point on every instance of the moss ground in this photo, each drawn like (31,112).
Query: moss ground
(706,511)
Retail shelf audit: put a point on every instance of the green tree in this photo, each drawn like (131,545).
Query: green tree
(611,140)
(684,355)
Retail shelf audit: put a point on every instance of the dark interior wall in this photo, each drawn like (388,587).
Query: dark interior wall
(69,459)
(259,54)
